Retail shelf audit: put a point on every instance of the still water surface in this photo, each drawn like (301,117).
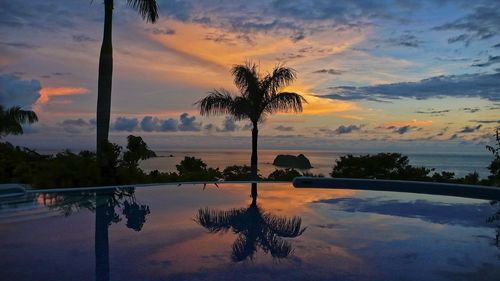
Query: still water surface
(190,233)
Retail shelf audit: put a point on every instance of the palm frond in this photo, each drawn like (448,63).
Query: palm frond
(246,78)
(284,227)
(148,9)
(21,116)
(215,220)
(280,77)
(285,102)
(243,247)
(218,102)
(242,108)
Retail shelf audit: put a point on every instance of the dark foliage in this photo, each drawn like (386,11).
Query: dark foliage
(283,175)
(379,166)
(237,173)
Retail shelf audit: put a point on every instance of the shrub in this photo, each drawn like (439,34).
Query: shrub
(283,175)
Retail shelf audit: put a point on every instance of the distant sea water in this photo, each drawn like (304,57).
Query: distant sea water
(322,161)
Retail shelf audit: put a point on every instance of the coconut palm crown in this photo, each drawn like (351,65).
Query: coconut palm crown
(12,118)
(259,97)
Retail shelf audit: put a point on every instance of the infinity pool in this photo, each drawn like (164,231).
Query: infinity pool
(192,232)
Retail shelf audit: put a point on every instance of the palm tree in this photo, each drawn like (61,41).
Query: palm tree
(255,229)
(148,9)
(260,97)
(12,118)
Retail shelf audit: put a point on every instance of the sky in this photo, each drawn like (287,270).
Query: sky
(377,75)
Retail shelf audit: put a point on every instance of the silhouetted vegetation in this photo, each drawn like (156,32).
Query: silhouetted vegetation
(12,118)
(284,175)
(259,97)
(394,166)
(494,166)
(68,169)
(238,173)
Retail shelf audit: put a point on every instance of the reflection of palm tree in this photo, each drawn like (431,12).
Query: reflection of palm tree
(104,203)
(255,229)
(148,9)
(12,118)
(260,96)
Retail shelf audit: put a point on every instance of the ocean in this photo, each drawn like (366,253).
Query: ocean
(322,161)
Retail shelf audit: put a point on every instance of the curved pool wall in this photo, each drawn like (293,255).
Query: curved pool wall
(431,188)
(197,232)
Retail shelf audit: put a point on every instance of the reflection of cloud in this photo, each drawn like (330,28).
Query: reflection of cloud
(441,213)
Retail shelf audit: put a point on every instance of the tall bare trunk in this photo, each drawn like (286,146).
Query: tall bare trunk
(253,160)
(104,84)
(101,242)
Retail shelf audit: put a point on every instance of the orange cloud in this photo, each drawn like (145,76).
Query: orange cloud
(414,122)
(46,93)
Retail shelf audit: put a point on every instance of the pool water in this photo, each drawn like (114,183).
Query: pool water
(192,232)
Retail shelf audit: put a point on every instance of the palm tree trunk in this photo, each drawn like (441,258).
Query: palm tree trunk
(253,160)
(101,242)
(104,83)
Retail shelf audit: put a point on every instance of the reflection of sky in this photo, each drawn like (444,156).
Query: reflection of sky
(49,58)
(350,235)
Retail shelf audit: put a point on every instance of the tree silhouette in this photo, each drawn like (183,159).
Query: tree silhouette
(259,97)
(255,229)
(148,9)
(12,118)
(105,205)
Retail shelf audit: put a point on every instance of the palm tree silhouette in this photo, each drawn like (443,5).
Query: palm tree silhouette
(260,97)
(105,205)
(148,9)
(255,229)
(12,118)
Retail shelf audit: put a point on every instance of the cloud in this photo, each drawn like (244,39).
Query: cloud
(284,128)
(404,40)
(347,129)
(169,125)
(491,60)
(150,124)
(228,125)
(471,109)
(468,129)
(402,130)
(329,71)
(486,86)
(188,123)
(483,23)
(125,124)
(20,45)
(77,126)
(433,112)
(17,92)
(161,31)
(80,38)
(485,121)
(47,93)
